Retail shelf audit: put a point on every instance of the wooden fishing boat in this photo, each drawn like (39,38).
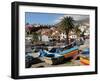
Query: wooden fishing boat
(70,52)
(84,60)
(58,57)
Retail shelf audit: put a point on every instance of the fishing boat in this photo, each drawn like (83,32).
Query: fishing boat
(84,60)
(70,52)
(86,51)
(57,56)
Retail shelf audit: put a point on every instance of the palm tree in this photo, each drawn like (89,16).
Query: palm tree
(66,25)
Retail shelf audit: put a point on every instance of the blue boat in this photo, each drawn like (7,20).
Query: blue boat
(56,51)
(86,51)
(56,55)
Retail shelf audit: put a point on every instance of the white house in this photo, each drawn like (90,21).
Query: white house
(62,36)
(86,28)
(45,38)
(29,37)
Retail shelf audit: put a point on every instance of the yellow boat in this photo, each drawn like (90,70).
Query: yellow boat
(84,60)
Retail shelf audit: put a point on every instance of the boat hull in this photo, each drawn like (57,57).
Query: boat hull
(71,54)
(84,61)
(53,61)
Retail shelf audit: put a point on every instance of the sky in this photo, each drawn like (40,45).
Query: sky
(49,18)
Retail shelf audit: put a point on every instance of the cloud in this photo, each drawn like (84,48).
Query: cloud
(76,17)
(56,21)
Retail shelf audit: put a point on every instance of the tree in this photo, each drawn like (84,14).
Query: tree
(77,30)
(66,25)
(35,37)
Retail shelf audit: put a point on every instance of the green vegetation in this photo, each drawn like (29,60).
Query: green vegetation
(35,37)
(66,25)
(77,31)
